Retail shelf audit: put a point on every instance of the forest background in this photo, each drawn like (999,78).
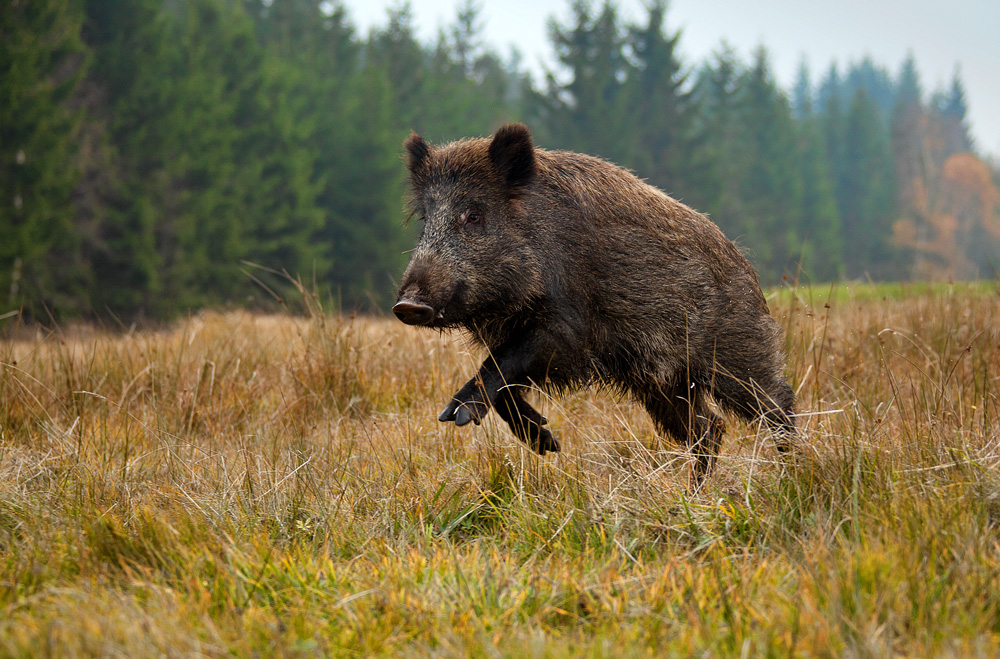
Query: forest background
(154,153)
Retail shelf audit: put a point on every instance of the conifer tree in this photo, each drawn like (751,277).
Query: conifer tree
(354,143)
(833,127)
(669,150)
(822,257)
(42,60)
(908,123)
(822,246)
(771,186)
(718,91)
(876,82)
(122,246)
(867,204)
(276,187)
(802,93)
(952,110)
(589,111)
(361,194)
(470,76)
(395,51)
(199,236)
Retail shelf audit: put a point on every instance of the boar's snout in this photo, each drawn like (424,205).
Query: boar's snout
(427,289)
(413,313)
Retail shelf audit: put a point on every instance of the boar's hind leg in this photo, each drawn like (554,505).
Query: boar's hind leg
(525,421)
(683,413)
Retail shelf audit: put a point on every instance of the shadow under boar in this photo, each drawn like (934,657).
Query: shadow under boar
(572,271)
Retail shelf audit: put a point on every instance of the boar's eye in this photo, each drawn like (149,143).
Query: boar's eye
(472,218)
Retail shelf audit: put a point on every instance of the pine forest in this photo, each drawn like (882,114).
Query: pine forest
(159,157)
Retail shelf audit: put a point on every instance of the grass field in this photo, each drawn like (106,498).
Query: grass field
(279,486)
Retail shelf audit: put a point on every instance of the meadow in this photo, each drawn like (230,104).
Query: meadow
(278,485)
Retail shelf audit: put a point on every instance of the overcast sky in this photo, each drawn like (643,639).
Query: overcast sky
(940,33)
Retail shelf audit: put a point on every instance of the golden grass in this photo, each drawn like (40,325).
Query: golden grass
(278,486)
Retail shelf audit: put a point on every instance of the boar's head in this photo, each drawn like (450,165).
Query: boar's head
(476,259)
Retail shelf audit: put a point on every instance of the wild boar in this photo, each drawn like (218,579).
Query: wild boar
(572,271)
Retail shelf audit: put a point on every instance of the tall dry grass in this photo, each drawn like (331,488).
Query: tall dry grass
(279,486)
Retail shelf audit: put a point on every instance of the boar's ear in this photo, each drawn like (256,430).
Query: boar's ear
(419,152)
(513,155)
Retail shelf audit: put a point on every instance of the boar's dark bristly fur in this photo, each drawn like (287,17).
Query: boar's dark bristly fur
(572,271)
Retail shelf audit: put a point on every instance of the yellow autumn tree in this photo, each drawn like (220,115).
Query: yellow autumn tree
(953,223)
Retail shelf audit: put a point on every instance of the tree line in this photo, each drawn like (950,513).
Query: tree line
(157,157)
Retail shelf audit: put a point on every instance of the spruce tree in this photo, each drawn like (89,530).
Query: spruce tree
(718,91)
(822,243)
(952,110)
(395,51)
(910,160)
(199,236)
(361,194)
(340,121)
(42,60)
(471,76)
(867,204)
(588,112)
(877,83)
(908,122)
(277,193)
(833,128)
(822,247)
(137,98)
(802,93)
(669,150)
(771,187)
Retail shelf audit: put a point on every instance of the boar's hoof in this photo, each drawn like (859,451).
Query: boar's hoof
(533,434)
(463,411)
(546,442)
(413,313)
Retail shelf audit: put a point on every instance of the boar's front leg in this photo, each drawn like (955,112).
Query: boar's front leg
(473,402)
(496,386)
(525,421)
